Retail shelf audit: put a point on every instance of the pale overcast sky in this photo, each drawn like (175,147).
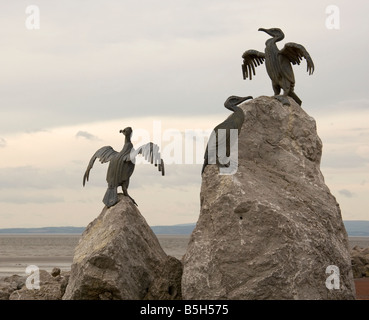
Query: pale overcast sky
(95,67)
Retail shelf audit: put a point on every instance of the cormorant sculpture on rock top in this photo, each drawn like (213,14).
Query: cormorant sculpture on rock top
(122,165)
(278,64)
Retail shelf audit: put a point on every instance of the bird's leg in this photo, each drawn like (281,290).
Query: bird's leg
(283,98)
(125,192)
(276,89)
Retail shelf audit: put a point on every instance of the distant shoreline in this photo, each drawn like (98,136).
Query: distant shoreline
(159,234)
(354,228)
(185,229)
(80,234)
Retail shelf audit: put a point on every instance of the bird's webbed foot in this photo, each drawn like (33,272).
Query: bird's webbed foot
(283,100)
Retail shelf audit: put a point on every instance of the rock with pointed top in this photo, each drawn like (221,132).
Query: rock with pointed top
(117,258)
(270,230)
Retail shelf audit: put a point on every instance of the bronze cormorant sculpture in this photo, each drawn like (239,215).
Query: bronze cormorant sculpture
(216,140)
(278,64)
(122,165)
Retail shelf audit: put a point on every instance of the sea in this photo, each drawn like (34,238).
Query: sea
(46,251)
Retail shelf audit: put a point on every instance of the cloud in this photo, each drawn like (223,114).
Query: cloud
(30,177)
(363,151)
(346,193)
(126,61)
(2,143)
(86,135)
(177,176)
(181,57)
(24,199)
(341,159)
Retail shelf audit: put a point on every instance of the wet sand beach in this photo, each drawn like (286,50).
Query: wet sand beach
(17,251)
(46,251)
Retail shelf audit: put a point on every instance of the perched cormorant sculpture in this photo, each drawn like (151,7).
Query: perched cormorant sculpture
(122,165)
(278,64)
(219,141)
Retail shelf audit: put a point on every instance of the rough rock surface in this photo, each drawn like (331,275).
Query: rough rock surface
(51,288)
(55,272)
(118,256)
(168,285)
(10,284)
(360,261)
(270,230)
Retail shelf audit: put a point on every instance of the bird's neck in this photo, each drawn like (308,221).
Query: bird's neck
(232,108)
(127,140)
(274,40)
(127,144)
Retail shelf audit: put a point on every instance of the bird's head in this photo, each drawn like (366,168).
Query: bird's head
(127,131)
(274,32)
(233,101)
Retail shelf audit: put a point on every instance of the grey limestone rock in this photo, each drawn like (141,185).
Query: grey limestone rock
(10,284)
(50,288)
(270,230)
(117,258)
(168,285)
(55,272)
(360,261)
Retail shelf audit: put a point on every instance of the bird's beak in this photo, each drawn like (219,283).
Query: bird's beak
(266,31)
(121,131)
(243,99)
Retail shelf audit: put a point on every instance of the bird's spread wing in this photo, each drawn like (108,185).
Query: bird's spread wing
(104,154)
(295,53)
(150,151)
(251,59)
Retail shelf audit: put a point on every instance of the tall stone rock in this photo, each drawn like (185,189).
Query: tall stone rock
(271,230)
(119,257)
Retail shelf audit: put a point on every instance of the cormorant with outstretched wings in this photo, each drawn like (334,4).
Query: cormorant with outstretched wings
(278,64)
(122,165)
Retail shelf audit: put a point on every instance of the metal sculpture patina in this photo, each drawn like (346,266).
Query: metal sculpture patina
(122,165)
(278,64)
(219,141)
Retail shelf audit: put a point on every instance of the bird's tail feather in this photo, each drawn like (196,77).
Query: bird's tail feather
(204,166)
(110,197)
(205,161)
(294,96)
